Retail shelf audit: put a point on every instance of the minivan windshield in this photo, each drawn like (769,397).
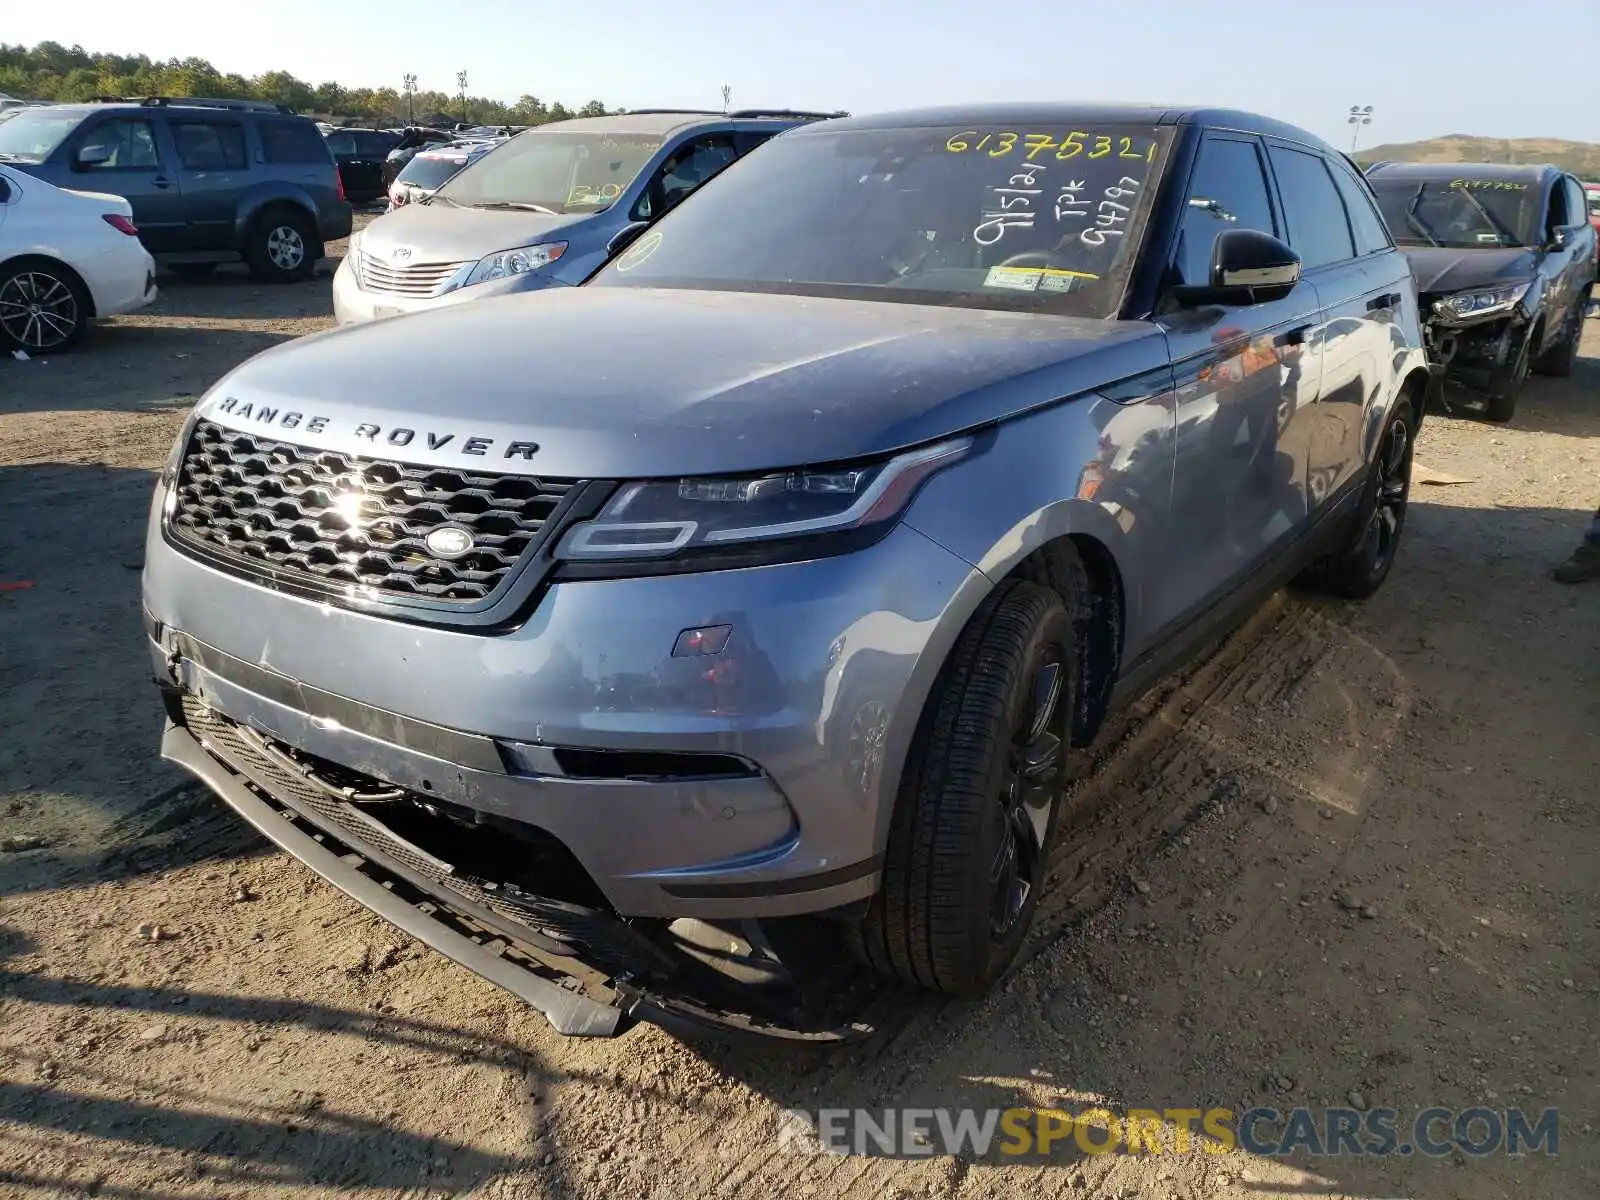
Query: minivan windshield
(1460,213)
(33,135)
(561,172)
(1041,217)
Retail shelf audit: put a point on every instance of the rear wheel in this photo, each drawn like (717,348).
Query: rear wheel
(1358,569)
(978,801)
(282,247)
(44,308)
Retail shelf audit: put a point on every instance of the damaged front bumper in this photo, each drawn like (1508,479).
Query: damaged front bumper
(589,971)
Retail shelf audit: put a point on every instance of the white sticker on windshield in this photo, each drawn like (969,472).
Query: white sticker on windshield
(1017,279)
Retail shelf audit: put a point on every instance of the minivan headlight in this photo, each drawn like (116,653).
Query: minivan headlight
(1475,303)
(515,262)
(665,517)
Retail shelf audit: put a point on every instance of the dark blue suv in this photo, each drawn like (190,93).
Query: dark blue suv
(210,181)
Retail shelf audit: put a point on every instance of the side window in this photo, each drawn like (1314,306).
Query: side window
(1576,204)
(342,143)
(686,168)
(1228,191)
(1372,235)
(209,145)
(747,142)
(1557,218)
(1319,229)
(292,142)
(128,142)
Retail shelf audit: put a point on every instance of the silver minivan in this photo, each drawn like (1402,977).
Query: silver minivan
(547,207)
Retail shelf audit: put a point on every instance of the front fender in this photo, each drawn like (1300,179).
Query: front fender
(1088,467)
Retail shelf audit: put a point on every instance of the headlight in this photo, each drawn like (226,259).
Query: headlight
(515,262)
(1480,302)
(652,520)
(352,255)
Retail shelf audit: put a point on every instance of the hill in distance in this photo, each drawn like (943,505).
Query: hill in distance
(1581,158)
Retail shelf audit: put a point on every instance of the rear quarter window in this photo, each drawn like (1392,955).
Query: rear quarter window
(292,142)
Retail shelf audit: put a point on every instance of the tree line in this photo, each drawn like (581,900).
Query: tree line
(51,71)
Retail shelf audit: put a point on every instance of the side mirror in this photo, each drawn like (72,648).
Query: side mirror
(1559,238)
(93,155)
(625,237)
(1247,267)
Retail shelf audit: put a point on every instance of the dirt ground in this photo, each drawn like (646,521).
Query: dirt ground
(1354,852)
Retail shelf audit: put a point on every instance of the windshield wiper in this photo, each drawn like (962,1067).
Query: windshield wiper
(1416,222)
(1488,216)
(523,205)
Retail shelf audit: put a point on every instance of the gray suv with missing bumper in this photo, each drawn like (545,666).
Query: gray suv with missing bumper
(712,639)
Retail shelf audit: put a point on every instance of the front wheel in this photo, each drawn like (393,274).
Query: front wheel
(1558,360)
(978,800)
(1505,385)
(43,308)
(282,247)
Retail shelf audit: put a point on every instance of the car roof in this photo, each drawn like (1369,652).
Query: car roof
(1491,172)
(88,108)
(652,122)
(1013,115)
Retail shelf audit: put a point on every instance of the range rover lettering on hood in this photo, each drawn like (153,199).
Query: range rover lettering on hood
(252,415)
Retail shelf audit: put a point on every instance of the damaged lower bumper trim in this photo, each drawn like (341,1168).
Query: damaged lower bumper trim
(567,1011)
(384,878)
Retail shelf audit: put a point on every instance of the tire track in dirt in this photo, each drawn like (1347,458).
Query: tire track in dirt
(1159,765)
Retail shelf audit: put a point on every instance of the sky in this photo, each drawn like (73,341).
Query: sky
(1493,68)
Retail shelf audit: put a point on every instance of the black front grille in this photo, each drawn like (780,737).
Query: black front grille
(338,521)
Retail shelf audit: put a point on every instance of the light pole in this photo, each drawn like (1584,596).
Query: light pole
(727,97)
(411,93)
(461,82)
(1360,114)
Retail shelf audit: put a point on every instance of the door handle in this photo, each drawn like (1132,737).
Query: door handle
(1378,303)
(161,181)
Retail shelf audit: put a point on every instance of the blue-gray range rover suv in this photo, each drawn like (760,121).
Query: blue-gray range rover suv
(713,637)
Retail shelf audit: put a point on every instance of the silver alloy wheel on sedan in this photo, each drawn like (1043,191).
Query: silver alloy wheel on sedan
(286,248)
(39,311)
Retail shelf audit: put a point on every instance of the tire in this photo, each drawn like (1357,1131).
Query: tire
(1505,386)
(978,801)
(282,246)
(193,272)
(44,307)
(1358,568)
(1558,359)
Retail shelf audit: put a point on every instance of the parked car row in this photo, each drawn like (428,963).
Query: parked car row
(208,181)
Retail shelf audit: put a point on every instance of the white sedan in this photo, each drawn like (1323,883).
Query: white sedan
(66,257)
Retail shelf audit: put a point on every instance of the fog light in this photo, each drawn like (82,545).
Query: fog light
(702,642)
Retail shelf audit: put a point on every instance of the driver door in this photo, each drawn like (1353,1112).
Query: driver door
(125,155)
(1247,380)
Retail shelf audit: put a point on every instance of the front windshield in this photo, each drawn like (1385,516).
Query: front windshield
(560,172)
(1038,217)
(1459,213)
(33,136)
(429,170)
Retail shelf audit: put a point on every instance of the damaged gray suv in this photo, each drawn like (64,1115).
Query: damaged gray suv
(714,640)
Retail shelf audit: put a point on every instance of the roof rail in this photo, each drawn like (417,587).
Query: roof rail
(787,112)
(196,102)
(656,112)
